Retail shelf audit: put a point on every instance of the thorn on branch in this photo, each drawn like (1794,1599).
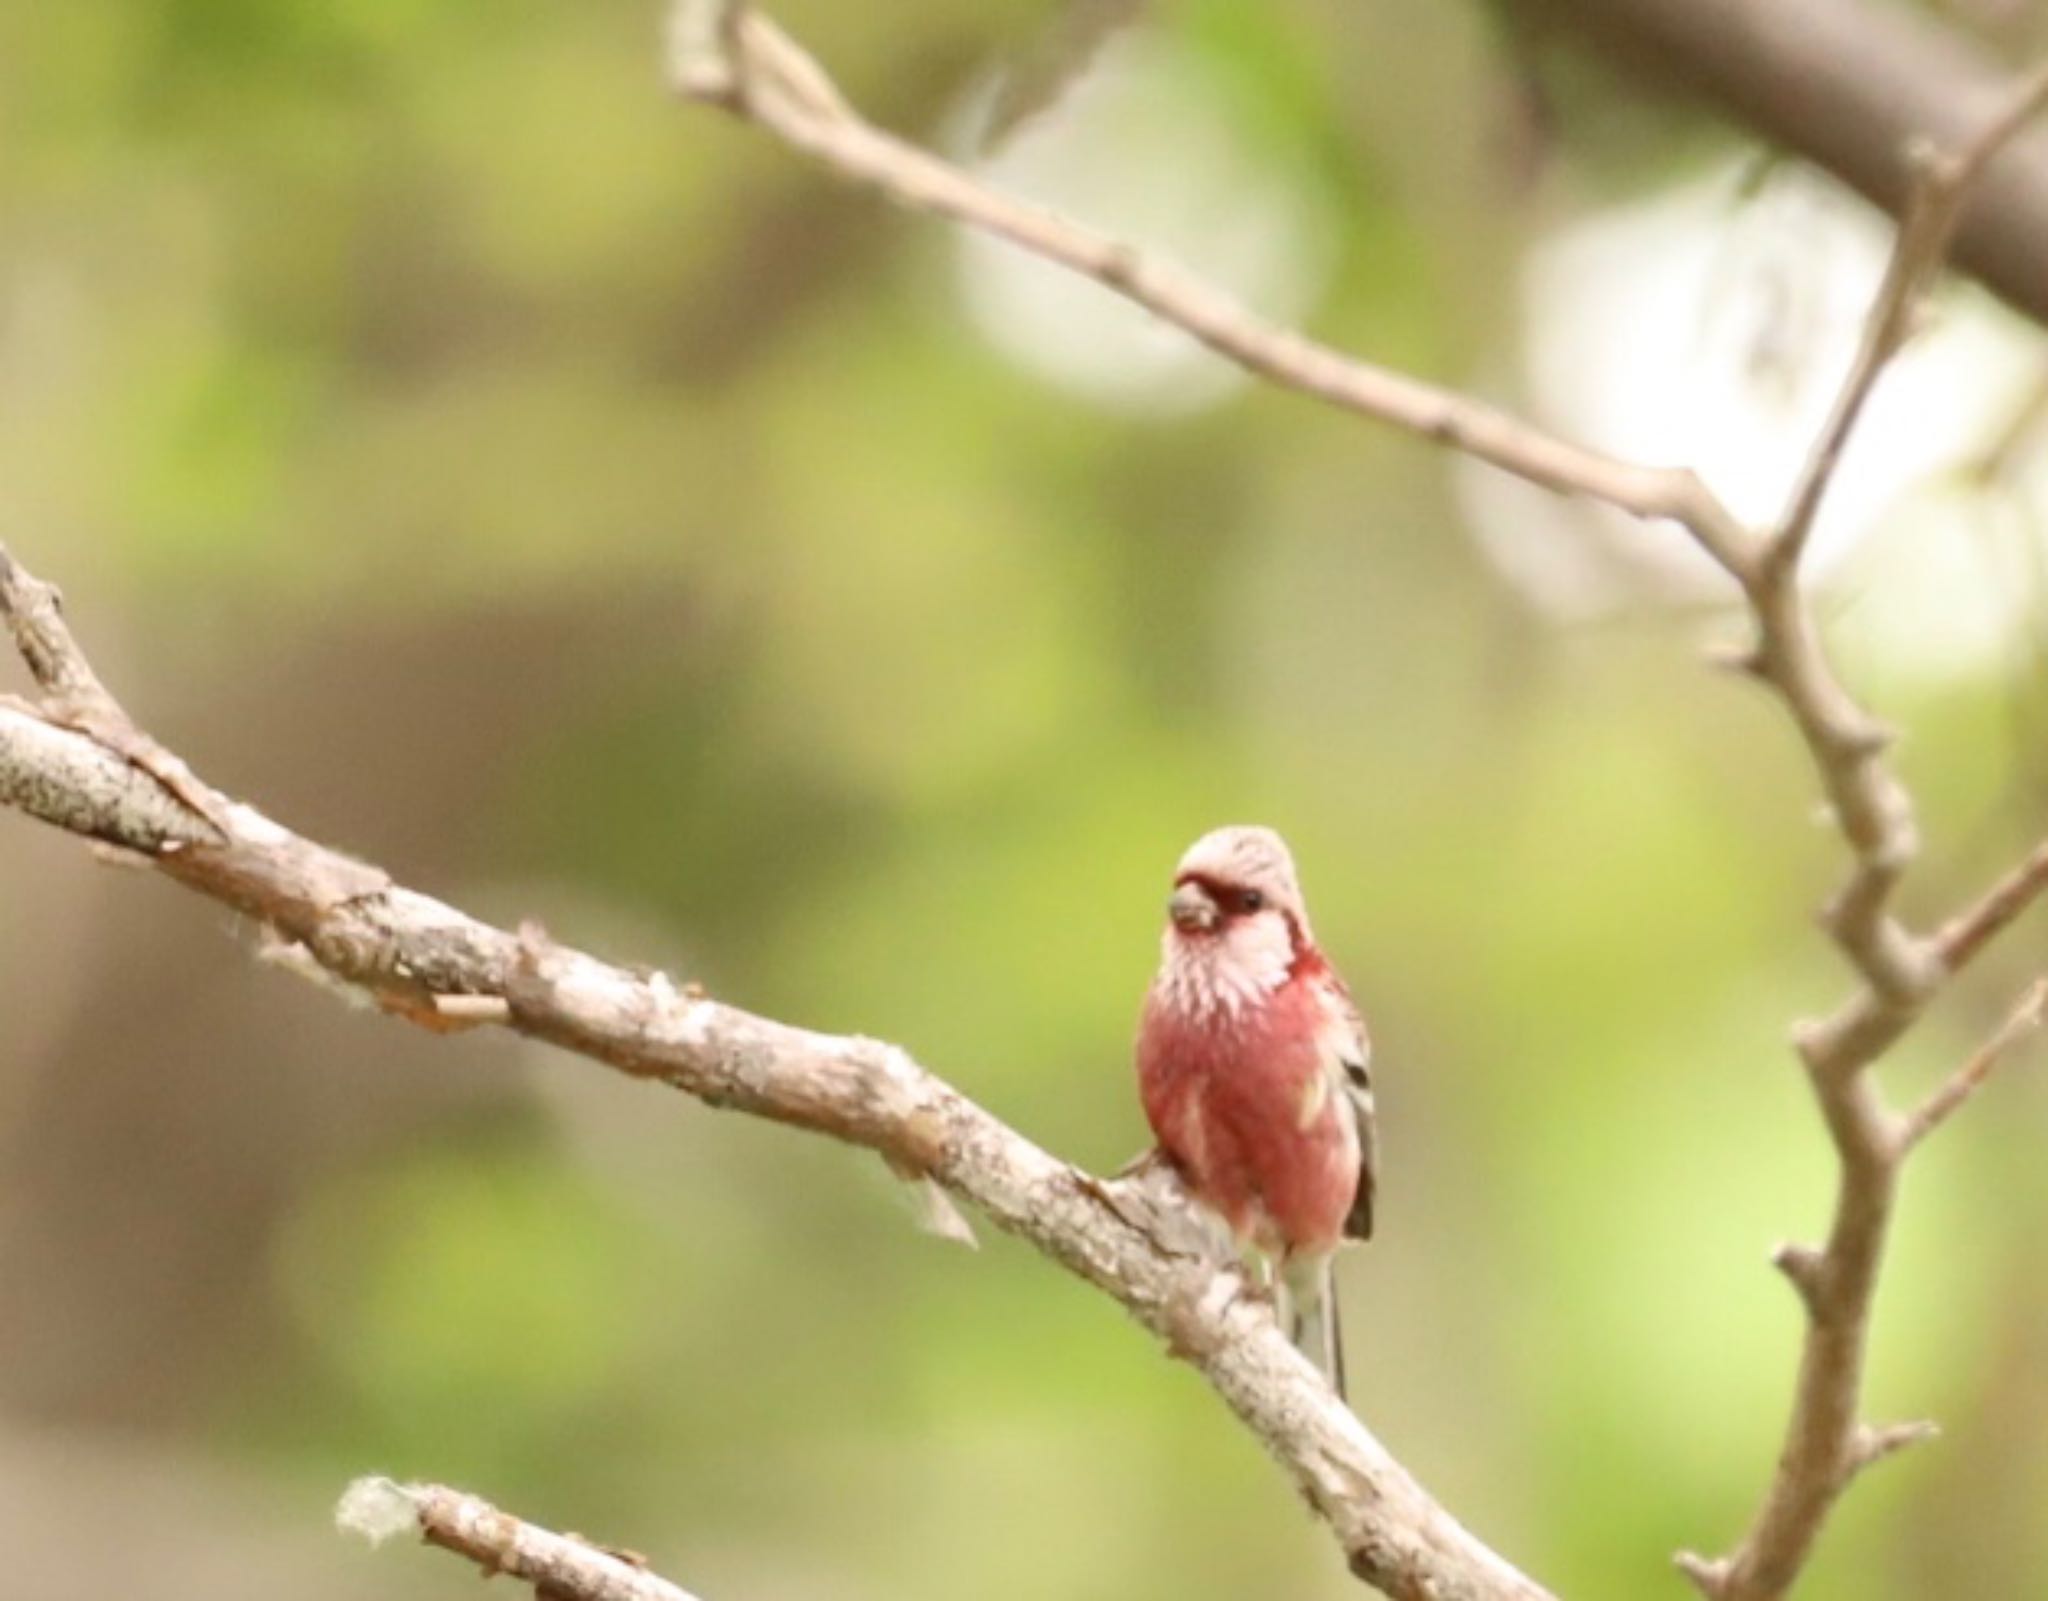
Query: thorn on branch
(1746,661)
(1871,1443)
(1806,1269)
(1813,1042)
(1865,738)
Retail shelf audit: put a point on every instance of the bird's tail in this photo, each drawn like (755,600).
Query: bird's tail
(1312,1315)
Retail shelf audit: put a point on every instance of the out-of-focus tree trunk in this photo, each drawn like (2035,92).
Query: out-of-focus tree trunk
(1845,84)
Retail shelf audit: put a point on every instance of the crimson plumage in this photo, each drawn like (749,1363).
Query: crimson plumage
(1253,1069)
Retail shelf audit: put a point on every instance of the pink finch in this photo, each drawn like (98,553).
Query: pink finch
(1254,1069)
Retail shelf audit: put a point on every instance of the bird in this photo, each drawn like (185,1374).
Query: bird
(1255,1072)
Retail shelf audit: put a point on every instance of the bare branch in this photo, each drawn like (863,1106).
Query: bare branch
(560,1567)
(35,616)
(424,961)
(1941,186)
(770,80)
(1825,1445)
(2025,1018)
(1963,936)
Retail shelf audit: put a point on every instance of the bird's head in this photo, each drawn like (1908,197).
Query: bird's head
(1236,920)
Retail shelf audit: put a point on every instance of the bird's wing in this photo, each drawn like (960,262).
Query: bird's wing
(1353,1052)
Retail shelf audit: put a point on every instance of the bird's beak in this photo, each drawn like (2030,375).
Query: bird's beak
(1191,909)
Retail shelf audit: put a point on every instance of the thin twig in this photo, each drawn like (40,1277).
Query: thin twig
(560,1567)
(772,81)
(1942,186)
(2025,1018)
(1963,936)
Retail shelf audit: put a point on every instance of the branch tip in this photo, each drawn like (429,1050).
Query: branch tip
(1709,1575)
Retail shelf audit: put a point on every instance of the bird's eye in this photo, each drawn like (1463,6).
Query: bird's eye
(1250,900)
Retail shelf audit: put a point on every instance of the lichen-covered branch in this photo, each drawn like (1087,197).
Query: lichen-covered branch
(560,1567)
(421,959)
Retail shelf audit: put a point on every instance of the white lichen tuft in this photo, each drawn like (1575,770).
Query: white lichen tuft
(289,955)
(377,1508)
(694,1031)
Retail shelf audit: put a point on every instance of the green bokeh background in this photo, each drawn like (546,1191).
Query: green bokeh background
(588,511)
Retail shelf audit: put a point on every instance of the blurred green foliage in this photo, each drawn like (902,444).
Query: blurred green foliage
(592,512)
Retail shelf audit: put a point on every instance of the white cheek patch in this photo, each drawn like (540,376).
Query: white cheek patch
(1227,972)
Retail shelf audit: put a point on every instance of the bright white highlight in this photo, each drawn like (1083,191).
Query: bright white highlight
(1711,327)
(377,1508)
(1147,139)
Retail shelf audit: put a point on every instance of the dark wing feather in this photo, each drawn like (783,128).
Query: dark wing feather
(1357,1065)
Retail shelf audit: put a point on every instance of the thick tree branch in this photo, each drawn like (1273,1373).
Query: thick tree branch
(1849,85)
(560,1567)
(423,960)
